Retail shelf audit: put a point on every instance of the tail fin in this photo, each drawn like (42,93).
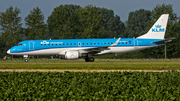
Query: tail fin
(158,30)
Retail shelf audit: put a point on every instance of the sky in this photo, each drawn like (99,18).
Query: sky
(120,7)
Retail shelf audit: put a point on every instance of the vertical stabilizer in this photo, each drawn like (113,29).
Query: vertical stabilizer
(158,30)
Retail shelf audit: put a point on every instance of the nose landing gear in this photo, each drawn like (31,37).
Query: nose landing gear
(26,58)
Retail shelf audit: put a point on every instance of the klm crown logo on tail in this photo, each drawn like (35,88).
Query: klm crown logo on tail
(158,29)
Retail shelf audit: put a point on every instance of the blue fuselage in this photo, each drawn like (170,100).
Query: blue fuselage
(70,44)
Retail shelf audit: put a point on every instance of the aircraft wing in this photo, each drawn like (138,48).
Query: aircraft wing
(98,49)
(165,40)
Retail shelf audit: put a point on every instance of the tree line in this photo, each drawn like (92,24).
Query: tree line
(75,22)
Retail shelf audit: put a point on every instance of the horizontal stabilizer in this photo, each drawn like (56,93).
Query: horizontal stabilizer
(165,40)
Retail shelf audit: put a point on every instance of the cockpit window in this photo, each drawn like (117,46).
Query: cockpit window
(19,44)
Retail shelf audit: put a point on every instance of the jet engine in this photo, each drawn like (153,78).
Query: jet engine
(72,55)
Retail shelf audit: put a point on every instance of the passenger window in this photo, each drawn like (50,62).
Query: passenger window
(52,44)
(71,43)
(98,43)
(45,44)
(67,43)
(87,43)
(122,42)
(49,44)
(129,42)
(111,43)
(108,43)
(41,44)
(74,43)
(91,43)
(83,43)
(63,44)
(60,44)
(95,43)
(126,42)
(102,43)
(56,44)
(119,42)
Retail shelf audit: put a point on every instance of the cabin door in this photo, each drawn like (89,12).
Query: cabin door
(135,43)
(31,45)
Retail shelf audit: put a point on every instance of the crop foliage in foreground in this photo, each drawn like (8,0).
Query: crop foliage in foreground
(90,86)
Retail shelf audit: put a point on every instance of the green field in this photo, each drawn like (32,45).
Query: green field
(108,86)
(93,86)
(106,64)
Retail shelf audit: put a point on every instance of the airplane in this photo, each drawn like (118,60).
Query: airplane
(87,48)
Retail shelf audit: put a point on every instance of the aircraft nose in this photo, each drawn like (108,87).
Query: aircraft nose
(8,51)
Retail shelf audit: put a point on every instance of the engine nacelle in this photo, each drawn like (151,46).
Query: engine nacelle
(72,55)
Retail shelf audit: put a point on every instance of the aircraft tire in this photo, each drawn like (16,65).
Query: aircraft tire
(91,59)
(26,60)
(87,59)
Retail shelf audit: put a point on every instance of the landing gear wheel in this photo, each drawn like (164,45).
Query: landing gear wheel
(87,59)
(26,60)
(91,59)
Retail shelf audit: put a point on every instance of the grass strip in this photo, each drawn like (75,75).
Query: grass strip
(96,65)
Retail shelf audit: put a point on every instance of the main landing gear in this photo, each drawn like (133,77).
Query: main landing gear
(89,59)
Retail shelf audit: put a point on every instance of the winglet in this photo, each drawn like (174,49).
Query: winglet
(115,42)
